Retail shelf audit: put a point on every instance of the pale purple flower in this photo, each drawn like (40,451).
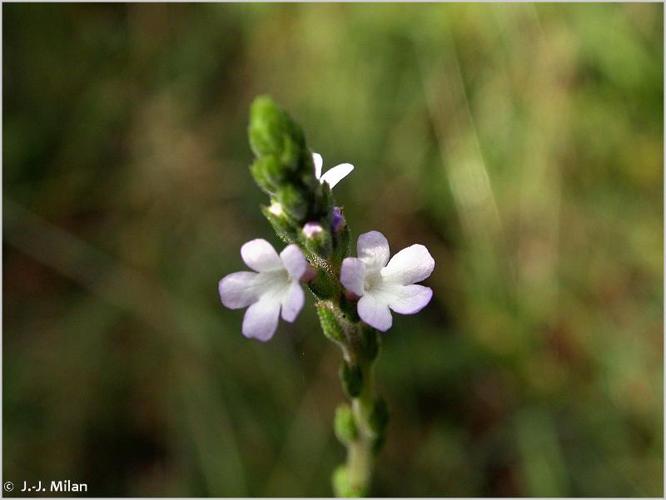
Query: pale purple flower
(274,287)
(338,221)
(332,176)
(384,285)
(312,229)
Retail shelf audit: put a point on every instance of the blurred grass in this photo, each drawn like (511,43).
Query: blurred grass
(521,143)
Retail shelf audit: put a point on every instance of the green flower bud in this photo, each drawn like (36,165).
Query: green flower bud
(351,377)
(341,235)
(267,173)
(273,132)
(344,424)
(292,201)
(280,222)
(329,323)
(317,239)
(291,154)
(295,133)
(307,173)
(267,125)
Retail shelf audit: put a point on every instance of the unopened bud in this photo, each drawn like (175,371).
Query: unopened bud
(312,229)
(272,132)
(267,173)
(282,226)
(276,209)
(293,202)
(267,124)
(317,239)
(341,235)
(338,221)
(329,323)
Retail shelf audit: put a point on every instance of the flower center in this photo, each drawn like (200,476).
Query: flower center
(273,283)
(372,280)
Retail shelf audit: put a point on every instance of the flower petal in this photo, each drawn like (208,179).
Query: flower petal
(294,261)
(410,299)
(410,265)
(260,255)
(336,174)
(352,275)
(318,163)
(238,290)
(261,319)
(373,249)
(292,302)
(375,312)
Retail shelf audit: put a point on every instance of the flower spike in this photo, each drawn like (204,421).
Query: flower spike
(305,215)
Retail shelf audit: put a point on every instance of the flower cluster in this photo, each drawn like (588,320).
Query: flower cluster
(302,212)
(379,284)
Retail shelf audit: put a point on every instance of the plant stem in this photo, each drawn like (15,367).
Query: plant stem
(361,424)
(354,477)
(360,457)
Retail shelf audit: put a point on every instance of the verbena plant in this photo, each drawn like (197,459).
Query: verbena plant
(354,296)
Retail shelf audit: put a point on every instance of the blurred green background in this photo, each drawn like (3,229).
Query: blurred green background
(522,144)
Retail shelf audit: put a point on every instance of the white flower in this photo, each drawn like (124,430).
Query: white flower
(332,176)
(275,286)
(382,284)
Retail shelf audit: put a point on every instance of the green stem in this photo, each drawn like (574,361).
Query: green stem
(361,424)
(354,477)
(360,456)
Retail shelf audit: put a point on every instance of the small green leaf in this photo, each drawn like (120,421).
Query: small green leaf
(344,425)
(342,485)
(329,323)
